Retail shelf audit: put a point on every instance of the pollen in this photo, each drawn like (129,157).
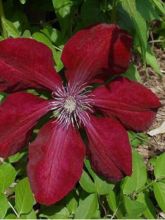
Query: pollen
(70,104)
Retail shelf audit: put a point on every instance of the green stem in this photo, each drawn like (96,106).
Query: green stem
(149,185)
(114,7)
(11,206)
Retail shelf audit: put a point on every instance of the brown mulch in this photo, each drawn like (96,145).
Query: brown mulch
(152,80)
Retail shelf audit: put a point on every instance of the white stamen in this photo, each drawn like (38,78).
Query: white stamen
(73,105)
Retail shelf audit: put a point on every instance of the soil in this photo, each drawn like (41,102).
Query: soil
(156,83)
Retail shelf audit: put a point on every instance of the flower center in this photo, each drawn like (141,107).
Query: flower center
(72,106)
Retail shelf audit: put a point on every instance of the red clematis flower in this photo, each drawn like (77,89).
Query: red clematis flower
(56,155)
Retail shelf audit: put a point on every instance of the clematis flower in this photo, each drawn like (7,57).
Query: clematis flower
(56,155)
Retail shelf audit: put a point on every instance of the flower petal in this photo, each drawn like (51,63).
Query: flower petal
(99,47)
(130,102)
(18,114)
(26,63)
(55,162)
(110,152)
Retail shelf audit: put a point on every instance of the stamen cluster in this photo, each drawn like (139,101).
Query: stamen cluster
(72,105)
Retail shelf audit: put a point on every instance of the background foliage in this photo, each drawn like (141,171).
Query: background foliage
(52,22)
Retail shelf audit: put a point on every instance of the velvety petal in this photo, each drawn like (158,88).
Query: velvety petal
(110,152)
(102,46)
(130,102)
(55,162)
(26,63)
(18,114)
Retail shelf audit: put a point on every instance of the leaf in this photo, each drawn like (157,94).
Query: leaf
(102,187)
(72,205)
(159,130)
(23,1)
(159,170)
(132,73)
(91,13)
(7,176)
(54,35)
(152,61)
(159,192)
(23,197)
(87,207)
(42,38)
(16,157)
(86,183)
(31,215)
(112,201)
(3,206)
(10,28)
(57,57)
(133,207)
(55,212)
(160,5)
(147,10)
(139,24)
(116,204)
(149,212)
(63,11)
(139,176)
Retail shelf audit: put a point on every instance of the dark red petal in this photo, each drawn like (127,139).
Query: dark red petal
(130,102)
(55,162)
(102,46)
(18,114)
(110,152)
(26,63)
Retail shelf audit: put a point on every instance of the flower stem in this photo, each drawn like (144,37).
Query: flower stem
(142,189)
(114,7)
(11,206)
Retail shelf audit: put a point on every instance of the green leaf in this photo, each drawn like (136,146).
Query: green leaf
(87,208)
(55,212)
(91,13)
(23,1)
(10,28)
(139,176)
(72,205)
(7,176)
(149,212)
(63,11)
(152,61)
(160,5)
(23,197)
(139,23)
(54,35)
(132,73)
(159,169)
(42,38)
(146,10)
(3,206)
(16,157)
(102,187)
(31,215)
(86,183)
(88,166)
(159,191)
(112,201)
(115,202)
(133,207)
(57,57)
(137,139)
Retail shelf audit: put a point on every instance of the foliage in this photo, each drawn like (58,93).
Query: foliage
(53,22)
